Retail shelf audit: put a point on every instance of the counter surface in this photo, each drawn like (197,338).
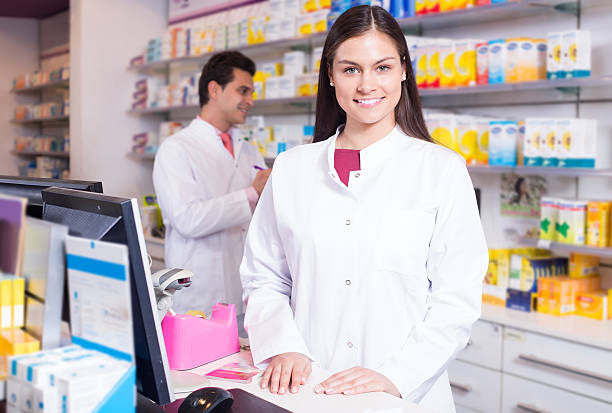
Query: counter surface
(573,328)
(303,401)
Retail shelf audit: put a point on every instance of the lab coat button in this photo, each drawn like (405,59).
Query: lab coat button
(349,344)
(357,175)
(348,282)
(348,222)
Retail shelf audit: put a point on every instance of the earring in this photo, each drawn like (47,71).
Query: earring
(404,77)
(331,84)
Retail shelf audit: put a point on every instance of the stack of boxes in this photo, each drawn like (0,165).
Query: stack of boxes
(569,54)
(41,77)
(42,144)
(67,379)
(575,222)
(568,143)
(532,280)
(440,63)
(42,110)
(148,142)
(13,340)
(272,141)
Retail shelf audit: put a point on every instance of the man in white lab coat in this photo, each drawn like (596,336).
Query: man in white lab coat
(207,184)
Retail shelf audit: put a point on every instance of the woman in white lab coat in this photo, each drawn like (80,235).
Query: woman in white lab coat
(365,253)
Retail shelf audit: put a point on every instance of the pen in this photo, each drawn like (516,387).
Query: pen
(259,168)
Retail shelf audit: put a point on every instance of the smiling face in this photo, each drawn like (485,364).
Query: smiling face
(236,98)
(367,74)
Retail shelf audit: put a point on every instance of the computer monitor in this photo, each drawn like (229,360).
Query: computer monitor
(31,188)
(113,219)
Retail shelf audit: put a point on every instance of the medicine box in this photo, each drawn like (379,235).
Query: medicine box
(554,69)
(497,61)
(576,53)
(446,58)
(598,222)
(294,63)
(502,142)
(595,304)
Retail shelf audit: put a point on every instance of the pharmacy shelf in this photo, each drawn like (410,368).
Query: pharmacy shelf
(302,42)
(593,81)
(51,85)
(306,101)
(302,101)
(557,246)
(142,156)
(43,153)
(493,12)
(533,170)
(58,119)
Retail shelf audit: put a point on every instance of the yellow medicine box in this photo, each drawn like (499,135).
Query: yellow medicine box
(595,304)
(15,341)
(598,215)
(581,265)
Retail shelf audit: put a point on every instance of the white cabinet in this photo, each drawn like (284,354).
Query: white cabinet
(485,345)
(575,367)
(519,362)
(526,396)
(475,387)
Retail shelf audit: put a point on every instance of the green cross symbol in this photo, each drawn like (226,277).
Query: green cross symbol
(562,229)
(544,224)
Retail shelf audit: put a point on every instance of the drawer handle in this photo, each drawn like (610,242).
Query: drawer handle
(466,388)
(530,408)
(563,367)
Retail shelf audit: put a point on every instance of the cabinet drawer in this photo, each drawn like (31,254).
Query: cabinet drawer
(576,367)
(485,345)
(475,387)
(524,396)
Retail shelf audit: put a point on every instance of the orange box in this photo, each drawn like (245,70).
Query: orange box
(543,301)
(594,304)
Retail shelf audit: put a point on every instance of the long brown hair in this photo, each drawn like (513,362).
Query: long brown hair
(355,22)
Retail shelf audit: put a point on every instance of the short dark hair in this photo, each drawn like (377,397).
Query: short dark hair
(220,68)
(354,22)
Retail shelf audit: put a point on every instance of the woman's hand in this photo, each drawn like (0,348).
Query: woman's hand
(284,370)
(356,380)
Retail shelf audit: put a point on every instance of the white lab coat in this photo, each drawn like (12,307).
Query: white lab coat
(201,192)
(385,274)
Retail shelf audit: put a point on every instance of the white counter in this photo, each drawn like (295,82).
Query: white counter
(305,400)
(573,328)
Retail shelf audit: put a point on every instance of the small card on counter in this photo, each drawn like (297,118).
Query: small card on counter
(236,372)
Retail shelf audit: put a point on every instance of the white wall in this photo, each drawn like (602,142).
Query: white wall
(19,46)
(104,35)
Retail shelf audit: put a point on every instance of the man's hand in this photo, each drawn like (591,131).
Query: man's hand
(357,380)
(286,369)
(260,180)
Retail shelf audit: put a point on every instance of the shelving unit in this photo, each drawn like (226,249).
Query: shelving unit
(493,12)
(557,246)
(54,119)
(29,153)
(534,170)
(306,102)
(51,85)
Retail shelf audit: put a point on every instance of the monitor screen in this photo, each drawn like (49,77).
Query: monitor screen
(113,219)
(31,188)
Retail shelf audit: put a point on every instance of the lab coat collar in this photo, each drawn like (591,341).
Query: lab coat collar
(374,155)
(206,129)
